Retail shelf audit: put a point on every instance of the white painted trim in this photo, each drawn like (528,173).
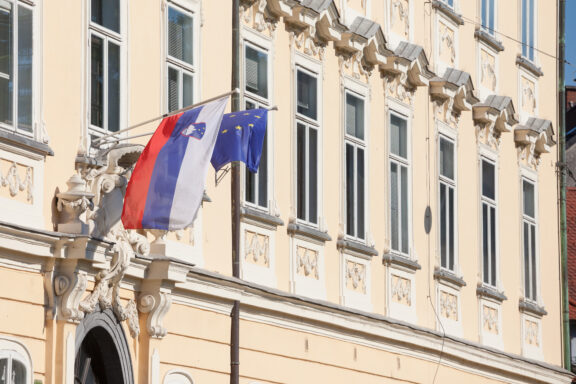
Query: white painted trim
(483,91)
(177,376)
(70,357)
(522,73)
(532,177)
(304,285)
(155,367)
(13,349)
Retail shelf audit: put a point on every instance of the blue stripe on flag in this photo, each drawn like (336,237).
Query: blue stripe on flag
(165,174)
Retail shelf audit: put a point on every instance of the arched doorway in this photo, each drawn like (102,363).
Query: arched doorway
(102,355)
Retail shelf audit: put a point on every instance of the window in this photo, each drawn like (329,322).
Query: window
(489,239)
(105,65)
(355,166)
(256,96)
(399,174)
(16,65)
(180,58)
(447,185)
(307,127)
(14,367)
(528,29)
(449,3)
(529,239)
(488,13)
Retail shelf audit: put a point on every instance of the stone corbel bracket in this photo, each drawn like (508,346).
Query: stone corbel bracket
(495,116)
(365,36)
(534,138)
(156,293)
(455,90)
(409,59)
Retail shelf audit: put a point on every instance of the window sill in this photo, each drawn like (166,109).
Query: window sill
(401,261)
(530,307)
(489,40)
(308,232)
(449,277)
(259,216)
(357,248)
(25,143)
(490,293)
(448,12)
(529,66)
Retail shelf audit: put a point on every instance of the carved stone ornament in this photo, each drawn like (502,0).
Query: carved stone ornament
(257,248)
(307,263)
(398,88)
(356,276)
(156,305)
(72,204)
(533,139)
(305,41)
(490,319)
(494,116)
(69,290)
(353,66)
(254,14)
(449,306)
(452,94)
(400,12)
(16,184)
(401,290)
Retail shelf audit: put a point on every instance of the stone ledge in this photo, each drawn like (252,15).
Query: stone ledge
(357,247)
(532,308)
(490,293)
(489,40)
(529,66)
(256,215)
(449,276)
(302,230)
(26,143)
(448,12)
(402,261)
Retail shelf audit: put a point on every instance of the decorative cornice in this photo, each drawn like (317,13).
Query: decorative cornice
(530,307)
(253,214)
(494,116)
(448,12)
(449,277)
(490,293)
(356,248)
(529,66)
(25,143)
(309,232)
(401,261)
(534,138)
(489,40)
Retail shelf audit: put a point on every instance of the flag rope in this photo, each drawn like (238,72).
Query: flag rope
(98,140)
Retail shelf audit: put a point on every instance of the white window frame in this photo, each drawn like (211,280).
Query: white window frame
(263,44)
(313,68)
(36,7)
(486,28)
(486,156)
(177,376)
(530,177)
(534,26)
(119,39)
(447,2)
(358,92)
(407,116)
(190,9)
(446,134)
(13,349)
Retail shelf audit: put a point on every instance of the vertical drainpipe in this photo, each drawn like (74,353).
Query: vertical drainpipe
(562,183)
(235,203)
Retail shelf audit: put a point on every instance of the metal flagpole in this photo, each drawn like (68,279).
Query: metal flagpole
(97,140)
(117,140)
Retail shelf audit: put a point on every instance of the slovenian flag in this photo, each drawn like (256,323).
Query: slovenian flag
(167,184)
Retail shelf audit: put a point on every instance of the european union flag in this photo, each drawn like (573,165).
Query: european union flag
(240,138)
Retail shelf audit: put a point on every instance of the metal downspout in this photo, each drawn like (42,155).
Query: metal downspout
(562,183)
(235,203)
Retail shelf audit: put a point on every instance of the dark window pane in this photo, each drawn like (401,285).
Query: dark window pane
(3,371)
(360,190)
(404,207)
(354,116)
(485,248)
(524,28)
(25,68)
(451,245)
(491,15)
(398,136)
(526,259)
(488,180)
(484,13)
(18,374)
(107,14)
(447,158)
(173,89)
(263,174)
(528,193)
(493,245)
(533,261)
(313,175)
(256,72)
(531,30)
(97,82)
(307,95)
(394,206)
(113,87)
(187,90)
(301,171)
(250,187)
(350,198)
(180,36)
(443,227)
(6,63)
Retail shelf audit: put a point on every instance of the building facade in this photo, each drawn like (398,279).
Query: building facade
(403,225)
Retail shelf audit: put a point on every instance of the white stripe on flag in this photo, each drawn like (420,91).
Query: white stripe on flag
(192,177)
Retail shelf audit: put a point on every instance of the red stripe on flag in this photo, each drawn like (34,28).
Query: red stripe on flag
(139,184)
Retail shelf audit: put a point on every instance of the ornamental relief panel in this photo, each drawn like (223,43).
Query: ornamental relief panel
(487,70)
(305,42)
(396,87)
(355,277)
(16,181)
(490,320)
(254,15)
(446,44)
(443,111)
(257,248)
(531,333)
(353,66)
(528,96)
(307,262)
(399,18)
(401,290)
(449,306)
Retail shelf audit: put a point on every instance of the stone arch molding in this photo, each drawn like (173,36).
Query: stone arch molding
(107,321)
(177,376)
(15,347)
